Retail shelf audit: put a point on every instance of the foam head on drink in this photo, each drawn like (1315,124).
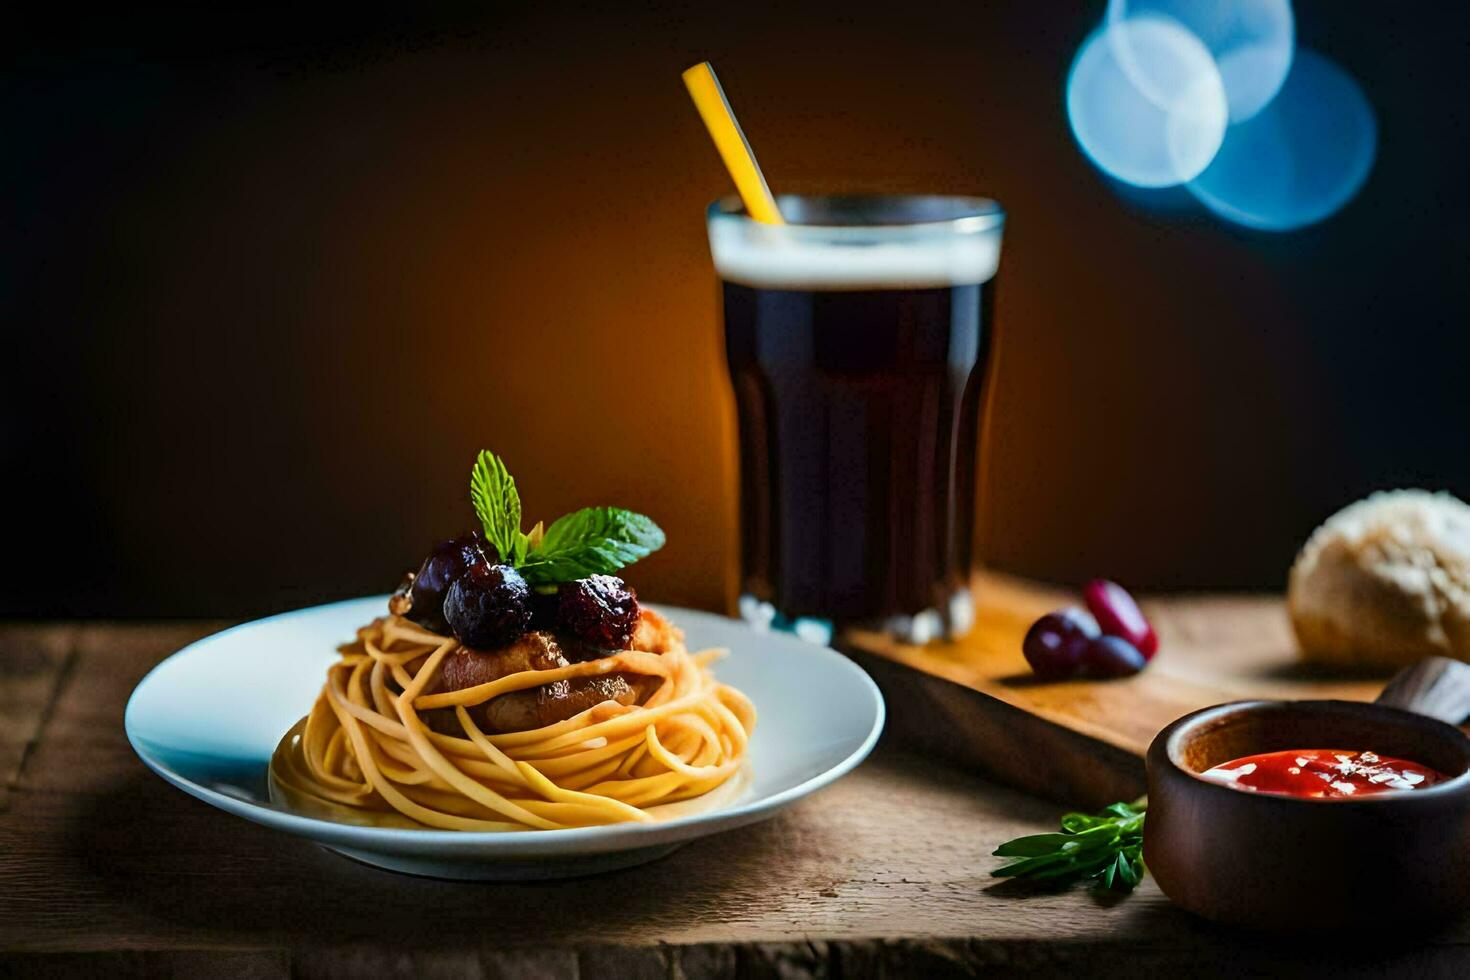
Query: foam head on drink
(858,357)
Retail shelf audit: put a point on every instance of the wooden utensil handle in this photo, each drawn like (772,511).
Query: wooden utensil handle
(1436,687)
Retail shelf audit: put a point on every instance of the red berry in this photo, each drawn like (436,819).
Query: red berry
(489,606)
(1111,656)
(600,611)
(1054,644)
(1119,615)
(445,564)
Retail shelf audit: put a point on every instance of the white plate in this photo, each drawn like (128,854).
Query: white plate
(208,718)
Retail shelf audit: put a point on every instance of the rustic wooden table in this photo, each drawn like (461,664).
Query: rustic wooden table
(105,869)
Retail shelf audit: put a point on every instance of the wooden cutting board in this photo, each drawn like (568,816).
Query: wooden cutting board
(1082,743)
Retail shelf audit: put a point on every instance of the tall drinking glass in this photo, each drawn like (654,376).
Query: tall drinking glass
(858,336)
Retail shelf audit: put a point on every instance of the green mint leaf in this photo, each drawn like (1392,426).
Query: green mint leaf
(1031,846)
(1075,870)
(1032,867)
(1075,823)
(1126,873)
(630,536)
(498,505)
(591,541)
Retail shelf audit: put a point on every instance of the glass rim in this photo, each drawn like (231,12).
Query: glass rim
(973,214)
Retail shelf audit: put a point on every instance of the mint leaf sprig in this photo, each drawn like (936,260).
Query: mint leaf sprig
(498,505)
(1106,848)
(590,541)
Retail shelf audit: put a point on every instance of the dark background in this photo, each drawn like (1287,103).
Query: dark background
(270,279)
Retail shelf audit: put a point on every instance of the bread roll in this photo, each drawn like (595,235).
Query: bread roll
(1385,582)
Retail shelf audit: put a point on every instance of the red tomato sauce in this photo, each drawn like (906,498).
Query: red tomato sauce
(1333,774)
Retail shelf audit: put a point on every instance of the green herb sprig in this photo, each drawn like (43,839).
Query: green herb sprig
(1106,848)
(590,541)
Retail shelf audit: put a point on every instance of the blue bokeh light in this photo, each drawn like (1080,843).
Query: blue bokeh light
(1143,141)
(1300,159)
(1251,42)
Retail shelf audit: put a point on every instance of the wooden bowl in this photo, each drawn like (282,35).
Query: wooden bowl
(1282,863)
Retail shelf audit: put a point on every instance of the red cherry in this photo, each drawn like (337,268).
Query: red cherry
(1054,644)
(1119,615)
(1111,656)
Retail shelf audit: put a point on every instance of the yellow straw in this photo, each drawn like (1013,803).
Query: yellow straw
(734,149)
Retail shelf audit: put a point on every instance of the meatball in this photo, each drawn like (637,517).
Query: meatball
(532,708)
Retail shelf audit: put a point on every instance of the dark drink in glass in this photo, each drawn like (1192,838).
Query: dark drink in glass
(857,338)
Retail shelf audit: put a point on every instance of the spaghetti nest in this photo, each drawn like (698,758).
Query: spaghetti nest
(365,744)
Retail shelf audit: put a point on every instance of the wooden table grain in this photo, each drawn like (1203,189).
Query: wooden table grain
(106,870)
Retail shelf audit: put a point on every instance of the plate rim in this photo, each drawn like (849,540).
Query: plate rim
(517,843)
